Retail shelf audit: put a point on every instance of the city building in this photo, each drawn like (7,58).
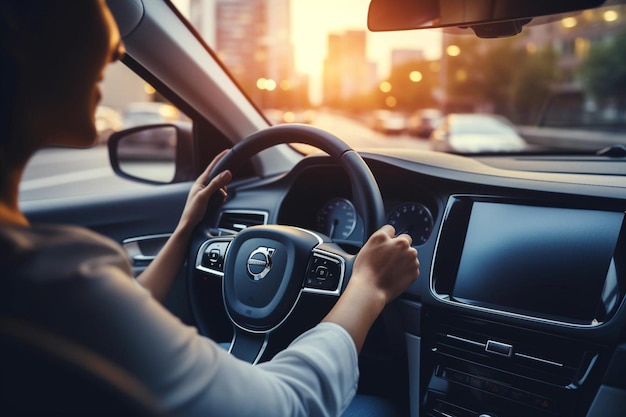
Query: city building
(403,56)
(257,52)
(347,74)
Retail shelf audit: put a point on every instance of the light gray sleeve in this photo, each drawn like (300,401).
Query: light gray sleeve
(316,376)
(80,286)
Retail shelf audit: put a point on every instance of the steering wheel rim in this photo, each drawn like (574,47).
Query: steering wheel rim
(257,306)
(368,202)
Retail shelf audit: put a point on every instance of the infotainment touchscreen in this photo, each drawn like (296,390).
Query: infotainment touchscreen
(547,262)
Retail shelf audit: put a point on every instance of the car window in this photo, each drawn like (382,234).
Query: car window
(127,101)
(315,62)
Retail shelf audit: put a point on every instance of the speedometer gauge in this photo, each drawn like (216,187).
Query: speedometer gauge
(337,218)
(413,219)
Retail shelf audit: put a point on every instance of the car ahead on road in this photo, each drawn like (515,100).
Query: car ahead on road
(519,309)
(388,122)
(143,113)
(422,122)
(108,121)
(161,141)
(475,133)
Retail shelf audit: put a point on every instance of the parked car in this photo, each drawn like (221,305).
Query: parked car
(388,122)
(141,113)
(520,307)
(108,120)
(422,122)
(475,133)
(159,141)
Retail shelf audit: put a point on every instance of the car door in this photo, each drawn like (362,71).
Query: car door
(137,216)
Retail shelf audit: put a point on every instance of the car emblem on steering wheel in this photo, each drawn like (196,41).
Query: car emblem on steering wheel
(260,262)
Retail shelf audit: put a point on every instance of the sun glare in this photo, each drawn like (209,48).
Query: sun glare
(313,22)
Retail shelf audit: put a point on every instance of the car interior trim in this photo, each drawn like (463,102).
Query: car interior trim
(260,352)
(136,252)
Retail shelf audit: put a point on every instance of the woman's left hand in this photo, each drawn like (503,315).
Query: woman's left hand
(201,192)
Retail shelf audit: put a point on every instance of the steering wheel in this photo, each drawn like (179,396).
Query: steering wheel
(267,268)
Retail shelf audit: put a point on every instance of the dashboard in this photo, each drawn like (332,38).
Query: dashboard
(321,200)
(519,309)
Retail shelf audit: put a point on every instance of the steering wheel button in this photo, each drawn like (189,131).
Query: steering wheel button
(321,272)
(214,255)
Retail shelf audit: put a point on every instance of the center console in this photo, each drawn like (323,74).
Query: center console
(485,368)
(504,271)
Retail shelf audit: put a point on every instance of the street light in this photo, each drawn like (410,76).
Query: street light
(415,76)
(453,50)
(266,84)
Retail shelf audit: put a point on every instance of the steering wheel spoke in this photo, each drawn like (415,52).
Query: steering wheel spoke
(325,273)
(212,255)
(248,346)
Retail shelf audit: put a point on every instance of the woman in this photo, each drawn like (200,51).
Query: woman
(79,284)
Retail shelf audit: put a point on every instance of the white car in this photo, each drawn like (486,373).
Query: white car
(476,133)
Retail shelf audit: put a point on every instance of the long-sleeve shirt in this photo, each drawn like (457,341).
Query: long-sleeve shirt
(79,284)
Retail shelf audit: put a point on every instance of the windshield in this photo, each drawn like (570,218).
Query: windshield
(310,62)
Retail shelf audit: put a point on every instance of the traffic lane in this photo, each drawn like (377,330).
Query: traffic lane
(359,136)
(55,161)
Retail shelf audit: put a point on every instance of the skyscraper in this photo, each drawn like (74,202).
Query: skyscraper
(347,73)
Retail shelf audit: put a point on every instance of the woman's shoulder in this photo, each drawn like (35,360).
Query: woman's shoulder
(46,235)
(57,250)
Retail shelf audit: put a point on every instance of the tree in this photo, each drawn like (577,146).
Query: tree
(603,74)
(532,85)
(413,84)
(499,75)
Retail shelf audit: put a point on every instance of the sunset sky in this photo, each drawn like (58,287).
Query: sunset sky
(312,21)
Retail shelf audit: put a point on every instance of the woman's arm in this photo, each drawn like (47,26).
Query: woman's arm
(159,276)
(383,269)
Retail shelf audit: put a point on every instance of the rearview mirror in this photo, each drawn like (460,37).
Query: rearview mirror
(488,18)
(152,154)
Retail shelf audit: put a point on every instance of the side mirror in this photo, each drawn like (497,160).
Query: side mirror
(153,154)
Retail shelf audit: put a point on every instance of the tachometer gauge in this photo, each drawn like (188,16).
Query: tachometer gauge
(337,218)
(413,219)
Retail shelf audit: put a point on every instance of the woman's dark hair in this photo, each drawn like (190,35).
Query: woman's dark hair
(14,13)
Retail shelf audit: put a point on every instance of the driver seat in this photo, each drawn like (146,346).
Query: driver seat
(44,373)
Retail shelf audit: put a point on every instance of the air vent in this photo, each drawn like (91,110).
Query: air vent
(533,355)
(236,220)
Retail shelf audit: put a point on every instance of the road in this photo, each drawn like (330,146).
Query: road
(59,172)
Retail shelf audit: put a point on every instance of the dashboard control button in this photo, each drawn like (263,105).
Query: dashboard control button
(213,255)
(323,273)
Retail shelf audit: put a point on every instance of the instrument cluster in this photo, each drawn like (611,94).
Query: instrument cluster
(339,220)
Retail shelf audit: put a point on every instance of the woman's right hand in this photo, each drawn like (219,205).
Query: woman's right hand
(386,263)
(383,269)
